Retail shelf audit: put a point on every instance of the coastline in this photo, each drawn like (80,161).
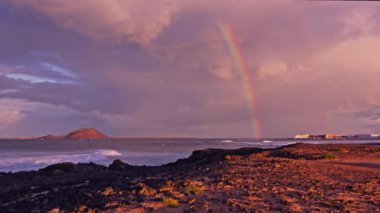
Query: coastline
(301,177)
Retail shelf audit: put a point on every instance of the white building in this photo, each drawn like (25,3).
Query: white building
(306,136)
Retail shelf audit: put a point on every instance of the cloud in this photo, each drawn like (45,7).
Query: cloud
(9,114)
(61,70)
(20,117)
(162,67)
(115,20)
(357,55)
(352,65)
(272,69)
(358,21)
(40,73)
(335,90)
(223,69)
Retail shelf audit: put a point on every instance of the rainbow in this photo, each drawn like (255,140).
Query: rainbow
(241,65)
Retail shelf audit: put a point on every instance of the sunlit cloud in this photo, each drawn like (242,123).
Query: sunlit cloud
(37,79)
(55,68)
(118,20)
(31,73)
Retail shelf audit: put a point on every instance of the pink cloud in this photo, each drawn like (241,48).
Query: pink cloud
(116,20)
(308,61)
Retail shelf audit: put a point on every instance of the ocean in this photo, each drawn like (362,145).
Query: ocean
(26,155)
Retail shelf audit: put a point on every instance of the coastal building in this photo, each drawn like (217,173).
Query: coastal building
(335,136)
(305,136)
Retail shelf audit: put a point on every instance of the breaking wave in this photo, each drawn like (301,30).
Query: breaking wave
(24,161)
(108,152)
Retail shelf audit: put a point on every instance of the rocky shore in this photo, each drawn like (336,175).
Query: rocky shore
(296,178)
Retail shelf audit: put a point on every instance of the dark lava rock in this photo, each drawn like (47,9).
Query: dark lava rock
(119,165)
(213,155)
(64,167)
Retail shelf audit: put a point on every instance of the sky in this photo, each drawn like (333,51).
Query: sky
(178,68)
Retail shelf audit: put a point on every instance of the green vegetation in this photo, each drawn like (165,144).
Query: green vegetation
(191,189)
(328,156)
(170,202)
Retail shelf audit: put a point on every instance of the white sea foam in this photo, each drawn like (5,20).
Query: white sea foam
(108,152)
(32,161)
(227,141)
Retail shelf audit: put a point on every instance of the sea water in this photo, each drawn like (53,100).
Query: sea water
(25,155)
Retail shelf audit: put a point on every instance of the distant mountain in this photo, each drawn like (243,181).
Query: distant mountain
(90,133)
